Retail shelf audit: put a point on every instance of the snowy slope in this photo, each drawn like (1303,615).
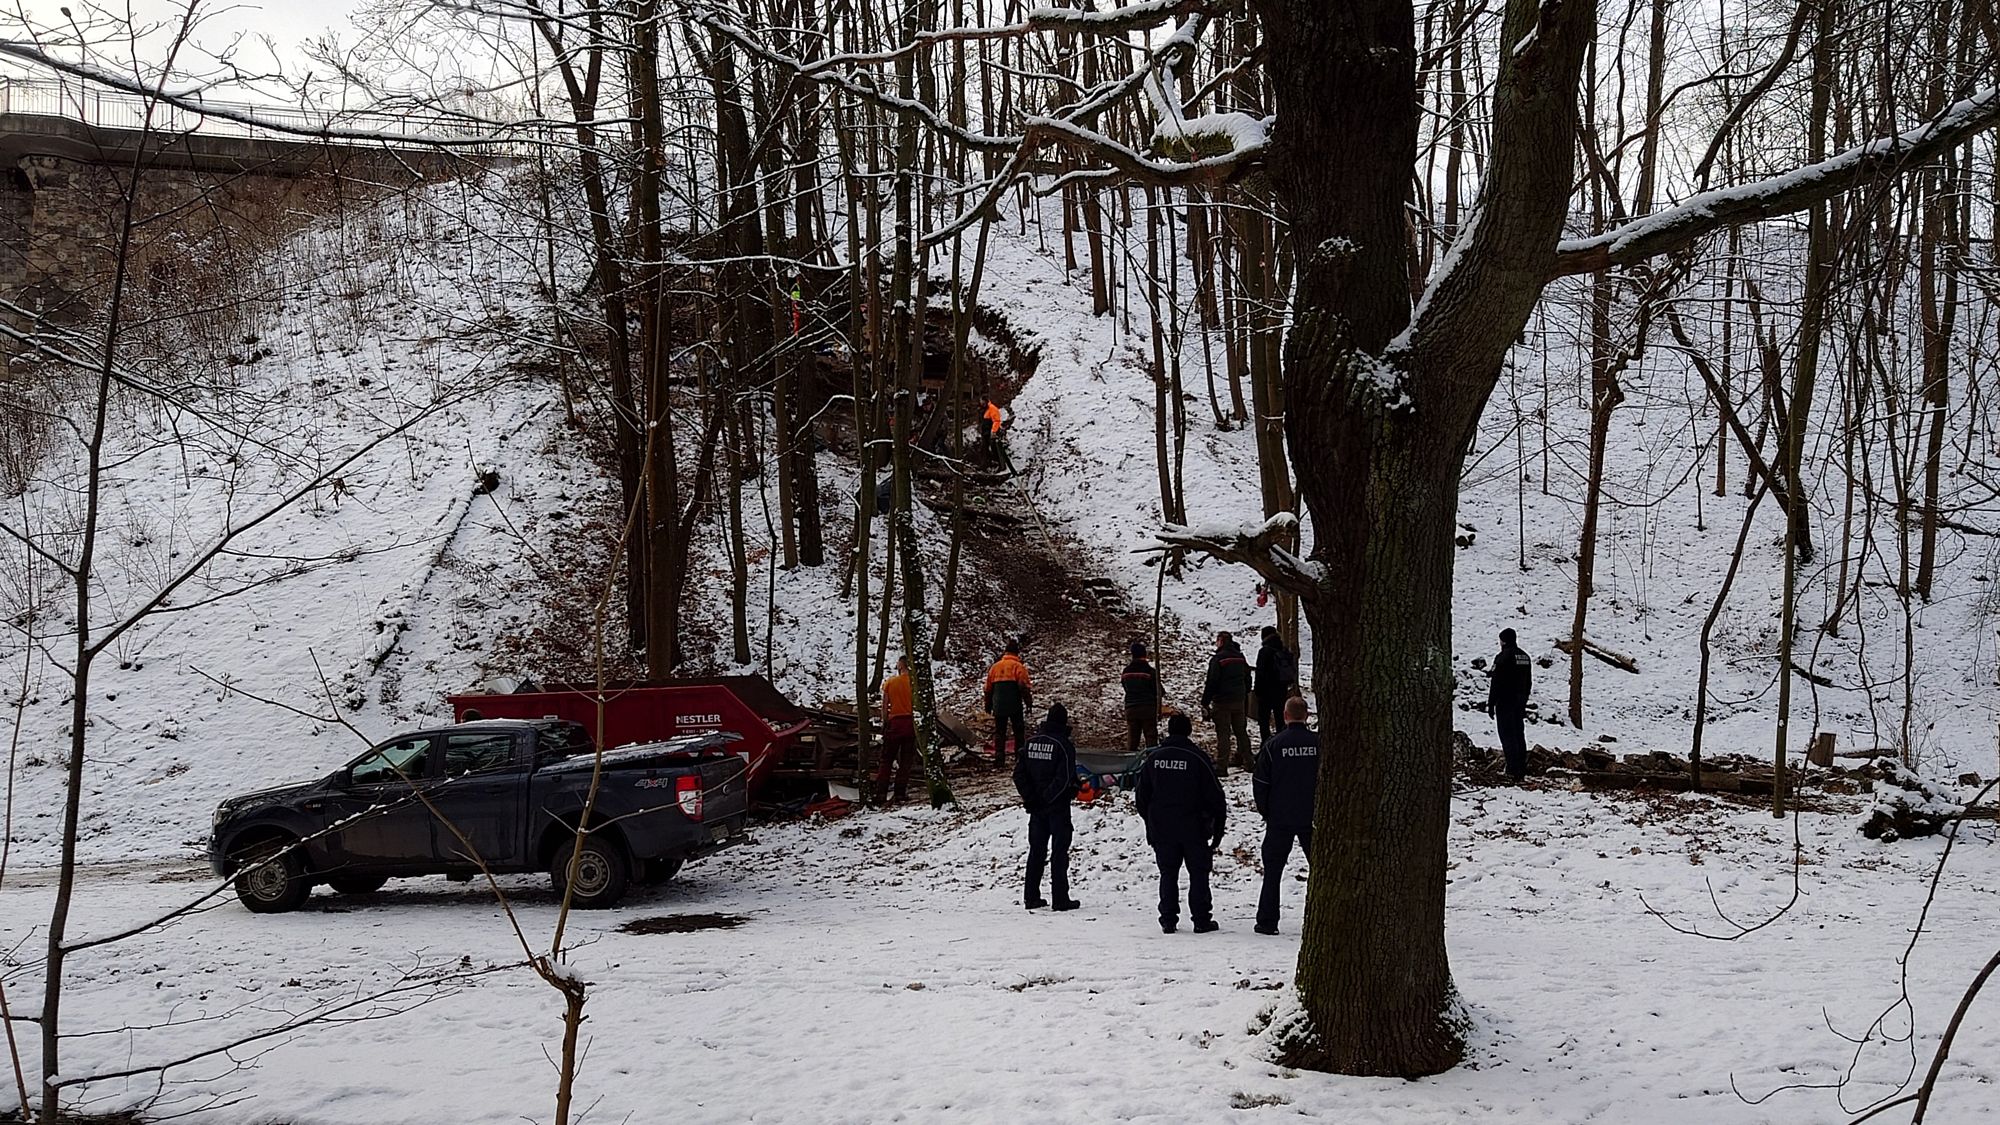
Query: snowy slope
(386,583)
(1087,420)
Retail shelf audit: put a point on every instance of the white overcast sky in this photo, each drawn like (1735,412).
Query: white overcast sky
(287,23)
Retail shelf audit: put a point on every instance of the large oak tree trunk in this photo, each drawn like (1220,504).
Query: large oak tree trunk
(1373,973)
(1380,402)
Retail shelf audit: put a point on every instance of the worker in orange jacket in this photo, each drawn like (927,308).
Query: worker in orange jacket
(1008,697)
(899,734)
(995,419)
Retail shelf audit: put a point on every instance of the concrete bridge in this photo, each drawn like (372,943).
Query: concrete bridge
(213,188)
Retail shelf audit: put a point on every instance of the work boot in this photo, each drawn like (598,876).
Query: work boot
(1207,927)
(1166,927)
(1067,904)
(1268,931)
(1036,903)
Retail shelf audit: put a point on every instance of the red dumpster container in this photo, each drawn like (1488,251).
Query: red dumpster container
(774,731)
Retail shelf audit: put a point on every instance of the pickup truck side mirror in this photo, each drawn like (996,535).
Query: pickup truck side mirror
(341,778)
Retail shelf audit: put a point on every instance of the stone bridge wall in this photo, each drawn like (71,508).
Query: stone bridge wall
(204,208)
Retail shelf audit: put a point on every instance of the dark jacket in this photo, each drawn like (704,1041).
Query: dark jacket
(1045,770)
(1228,678)
(1179,796)
(1277,671)
(1285,778)
(1142,685)
(1510,678)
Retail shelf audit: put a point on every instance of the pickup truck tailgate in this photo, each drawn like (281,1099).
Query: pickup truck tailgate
(725,783)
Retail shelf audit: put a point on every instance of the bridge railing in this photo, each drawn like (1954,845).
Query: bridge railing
(117,109)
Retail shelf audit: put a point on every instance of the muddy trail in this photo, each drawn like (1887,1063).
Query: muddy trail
(1021,579)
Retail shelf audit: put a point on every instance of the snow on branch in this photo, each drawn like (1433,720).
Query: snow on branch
(1071,126)
(1213,136)
(1142,16)
(1244,148)
(1666,231)
(1258,546)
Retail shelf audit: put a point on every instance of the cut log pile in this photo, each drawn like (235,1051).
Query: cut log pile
(1595,769)
(1901,806)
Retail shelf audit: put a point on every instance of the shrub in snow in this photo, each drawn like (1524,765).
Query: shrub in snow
(1905,805)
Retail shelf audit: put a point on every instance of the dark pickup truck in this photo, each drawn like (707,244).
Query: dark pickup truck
(503,794)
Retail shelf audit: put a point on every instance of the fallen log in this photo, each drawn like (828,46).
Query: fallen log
(1608,655)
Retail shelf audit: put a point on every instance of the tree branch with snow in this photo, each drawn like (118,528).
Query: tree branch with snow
(1681,225)
(1259,546)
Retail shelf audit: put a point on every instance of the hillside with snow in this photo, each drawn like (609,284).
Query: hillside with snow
(879,967)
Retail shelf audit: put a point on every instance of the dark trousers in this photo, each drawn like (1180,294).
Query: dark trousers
(899,753)
(1048,843)
(1174,853)
(1001,718)
(1270,715)
(1513,740)
(1142,727)
(1232,721)
(1277,850)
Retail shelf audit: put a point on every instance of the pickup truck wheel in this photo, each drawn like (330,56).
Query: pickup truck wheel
(357,884)
(602,872)
(653,872)
(271,879)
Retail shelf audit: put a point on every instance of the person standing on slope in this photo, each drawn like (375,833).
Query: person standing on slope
(1142,701)
(1008,697)
(1277,672)
(899,734)
(1045,777)
(1182,804)
(1284,784)
(1225,697)
(1507,695)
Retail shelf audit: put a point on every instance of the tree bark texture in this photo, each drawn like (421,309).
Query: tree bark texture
(1380,402)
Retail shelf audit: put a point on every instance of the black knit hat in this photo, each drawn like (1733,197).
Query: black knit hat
(1058,717)
(1138,650)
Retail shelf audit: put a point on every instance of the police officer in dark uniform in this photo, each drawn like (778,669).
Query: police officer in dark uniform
(1045,776)
(1507,695)
(1284,783)
(1182,804)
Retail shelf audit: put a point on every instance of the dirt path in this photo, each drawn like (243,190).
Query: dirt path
(1074,623)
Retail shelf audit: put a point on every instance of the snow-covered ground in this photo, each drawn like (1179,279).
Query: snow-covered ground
(1586,1007)
(883,970)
